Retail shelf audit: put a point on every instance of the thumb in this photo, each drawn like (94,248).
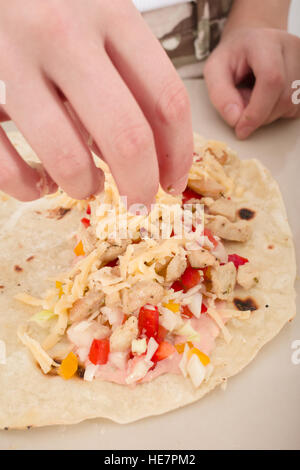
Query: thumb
(221,89)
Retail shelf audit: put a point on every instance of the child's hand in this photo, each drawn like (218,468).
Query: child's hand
(273,56)
(101,57)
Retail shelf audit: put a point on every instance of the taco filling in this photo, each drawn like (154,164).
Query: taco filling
(151,297)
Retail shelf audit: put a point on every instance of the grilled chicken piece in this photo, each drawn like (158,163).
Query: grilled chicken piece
(223,280)
(122,337)
(86,306)
(239,231)
(247,276)
(206,187)
(221,206)
(176,267)
(143,292)
(201,258)
(114,250)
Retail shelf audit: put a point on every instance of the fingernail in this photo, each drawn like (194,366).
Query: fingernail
(232,113)
(244,132)
(179,186)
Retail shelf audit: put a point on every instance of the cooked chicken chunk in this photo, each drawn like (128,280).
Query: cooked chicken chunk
(86,306)
(143,292)
(122,337)
(206,187)
(223,280)
(176,267)
(247,276)
(223,206)
(114,250)
(239,231)
(201,258)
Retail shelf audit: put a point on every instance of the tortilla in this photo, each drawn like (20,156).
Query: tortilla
(29,398)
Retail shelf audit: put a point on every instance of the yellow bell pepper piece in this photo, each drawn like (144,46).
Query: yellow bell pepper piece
(78,250)
(203,357)
(68,366)
(58,286)
(180,346)
(172,306)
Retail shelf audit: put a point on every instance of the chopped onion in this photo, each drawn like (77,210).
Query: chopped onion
(196,370)
(152,347)
(220,253)
(118,359)
(90,372)
(139,371)
(195,304)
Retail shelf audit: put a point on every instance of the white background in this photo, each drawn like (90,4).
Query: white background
(294,20)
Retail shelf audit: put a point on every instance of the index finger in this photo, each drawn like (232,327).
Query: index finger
(268,69)
(156,86)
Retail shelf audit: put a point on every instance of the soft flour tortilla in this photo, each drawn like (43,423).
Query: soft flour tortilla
(29,398)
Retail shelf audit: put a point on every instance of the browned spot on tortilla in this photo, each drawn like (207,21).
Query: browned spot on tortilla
(271,247)
(30,258)
(18,268)
(38,212)
(246,214)
(1,287)
(245,304)
(58,213)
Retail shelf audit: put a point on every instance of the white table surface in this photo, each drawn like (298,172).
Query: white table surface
(261,407)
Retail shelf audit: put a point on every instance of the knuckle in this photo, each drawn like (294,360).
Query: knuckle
(174,105)
(69,167)
(133,140)
(275,79)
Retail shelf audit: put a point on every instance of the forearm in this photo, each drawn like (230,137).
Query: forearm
(258,13)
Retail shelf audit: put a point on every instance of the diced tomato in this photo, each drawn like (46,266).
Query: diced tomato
(207,233)
(88,211)
(163,351)
(125,318)
(148,321)
(86,222)
(190,278)
(189,194)
(186,312)
(161,334)
(237,260)
(203,308)
(177,286)
(112,263)
(99,351)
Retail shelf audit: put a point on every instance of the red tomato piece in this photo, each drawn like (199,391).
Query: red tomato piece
(148,321)
(203,308)
(88,211)
(189,194)
(86,222)
(163,351)
(237,260)
(177,286)
(99,351)
(190,278)
(207,233)
(161,334)
(112,263)
(186,312)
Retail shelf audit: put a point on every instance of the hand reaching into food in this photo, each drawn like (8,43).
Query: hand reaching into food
(255,44)
(121,90)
